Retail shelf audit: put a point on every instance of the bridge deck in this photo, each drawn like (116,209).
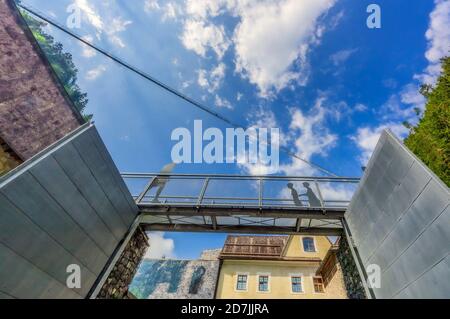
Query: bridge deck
(246,204)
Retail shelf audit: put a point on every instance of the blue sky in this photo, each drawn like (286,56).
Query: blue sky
(312,68)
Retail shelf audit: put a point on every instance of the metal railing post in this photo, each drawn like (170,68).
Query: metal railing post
(260,196)
(145,191)
(320,197)
(202,192)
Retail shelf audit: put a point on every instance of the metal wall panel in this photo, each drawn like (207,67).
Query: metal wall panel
(399,218)
(33,200)
(67,205)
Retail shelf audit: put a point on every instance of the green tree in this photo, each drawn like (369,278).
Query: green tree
(60,61)
(430,138)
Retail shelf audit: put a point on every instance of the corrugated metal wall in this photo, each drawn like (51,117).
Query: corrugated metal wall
(400,220)
(68,205)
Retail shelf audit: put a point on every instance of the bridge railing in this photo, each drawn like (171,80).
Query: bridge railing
(200,190)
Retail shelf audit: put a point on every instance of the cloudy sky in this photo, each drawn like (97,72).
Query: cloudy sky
(310,67)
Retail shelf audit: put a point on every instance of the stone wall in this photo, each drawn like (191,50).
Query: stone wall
(336,287)
(34,110)
(116,285)
(352,279)
(211,254)
(8,160)
(177,279)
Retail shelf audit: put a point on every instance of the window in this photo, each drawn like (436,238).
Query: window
(318,285)
(308,245)
(296,283)
(263,283)
(241,282)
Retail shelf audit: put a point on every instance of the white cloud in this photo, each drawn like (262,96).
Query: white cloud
(186,84)
(88,52)
(160,246)
(272,37)
(307,133)
(222,102)
(238,96)
(151,5)
(199,36)
(311,137)
(262,117)
(361,107)
(268,60)
(401,106)
(211,80)
(116,26)
(111,27)
(90,14)
(341,56)
(438,37)
(95,73)
(410,95)
(169,10)
(367,138)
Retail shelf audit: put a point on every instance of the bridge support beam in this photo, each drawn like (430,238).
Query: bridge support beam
(311,231)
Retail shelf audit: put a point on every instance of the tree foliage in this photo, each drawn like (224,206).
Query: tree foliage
(430,138)
(60,61)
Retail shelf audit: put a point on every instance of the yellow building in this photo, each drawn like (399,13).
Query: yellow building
(282,267)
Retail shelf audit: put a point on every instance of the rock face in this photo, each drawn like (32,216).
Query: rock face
(34,111)
(116,285)
(352,280)
(177,279)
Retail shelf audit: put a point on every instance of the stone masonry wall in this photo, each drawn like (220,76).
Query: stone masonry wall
(34,112)
(116,285)
(352,279)
(336,287)
(177,279)
(8,160)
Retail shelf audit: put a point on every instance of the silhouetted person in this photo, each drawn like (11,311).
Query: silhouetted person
(312,198)
(160,181)
(294,194)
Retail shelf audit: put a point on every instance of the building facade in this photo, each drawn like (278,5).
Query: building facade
(284,267)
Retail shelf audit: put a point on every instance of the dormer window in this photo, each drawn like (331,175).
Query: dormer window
(308,245)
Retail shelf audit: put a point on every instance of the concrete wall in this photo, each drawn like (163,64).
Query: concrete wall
(34,111)
(67,205)
(400,220)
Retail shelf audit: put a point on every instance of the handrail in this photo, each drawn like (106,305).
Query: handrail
(243,177)
(309,196)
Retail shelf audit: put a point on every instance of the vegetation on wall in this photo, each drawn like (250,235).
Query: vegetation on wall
(430,138)
(60,61)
